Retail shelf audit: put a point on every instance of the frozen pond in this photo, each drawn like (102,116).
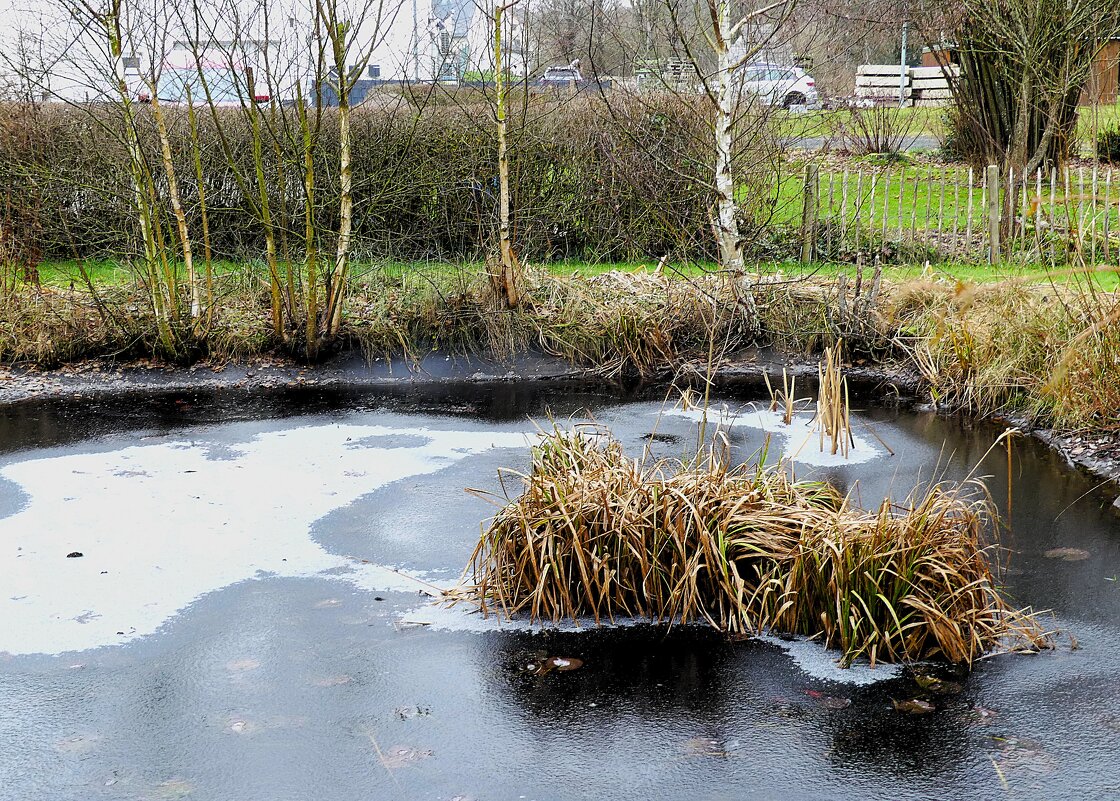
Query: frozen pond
(248,617)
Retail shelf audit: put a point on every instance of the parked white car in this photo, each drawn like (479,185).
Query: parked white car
(777,85)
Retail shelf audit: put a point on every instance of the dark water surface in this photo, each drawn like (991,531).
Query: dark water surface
(307,687)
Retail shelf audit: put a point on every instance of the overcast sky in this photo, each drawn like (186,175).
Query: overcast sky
(78,61)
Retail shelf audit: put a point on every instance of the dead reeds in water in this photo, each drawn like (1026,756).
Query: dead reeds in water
(784,397)
(833,407)
(747,549)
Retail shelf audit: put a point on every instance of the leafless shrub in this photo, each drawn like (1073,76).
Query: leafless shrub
(878,129)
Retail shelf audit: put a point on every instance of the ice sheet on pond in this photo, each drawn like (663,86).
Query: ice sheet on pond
(159,525)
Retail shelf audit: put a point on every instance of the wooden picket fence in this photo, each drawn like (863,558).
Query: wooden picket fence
(955,214)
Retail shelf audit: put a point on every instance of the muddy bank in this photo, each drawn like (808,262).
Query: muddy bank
(892,383)
(99,379)
(105,378)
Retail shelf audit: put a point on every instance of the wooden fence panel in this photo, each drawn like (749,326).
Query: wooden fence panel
(932,212)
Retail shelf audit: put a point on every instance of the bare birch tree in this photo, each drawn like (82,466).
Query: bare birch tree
(507,276)
(715,57)
(97,48)
(342,25)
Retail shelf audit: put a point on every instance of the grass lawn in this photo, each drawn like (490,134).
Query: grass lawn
(896,199)
(446,274)
(110,272)
(925,122)
(1099,119)
(831,123)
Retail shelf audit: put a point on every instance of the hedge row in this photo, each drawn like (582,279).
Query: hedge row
(622,181)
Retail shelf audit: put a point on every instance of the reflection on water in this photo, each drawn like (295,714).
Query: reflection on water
(694,680)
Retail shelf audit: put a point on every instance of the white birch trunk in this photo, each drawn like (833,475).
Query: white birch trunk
(158,291)
(345,216)
(506,283)
(727,232)
(177,209)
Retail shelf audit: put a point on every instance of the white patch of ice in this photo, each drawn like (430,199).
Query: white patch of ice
(810,657)
(440,616)
(160,525)
(799,441)
(821,663)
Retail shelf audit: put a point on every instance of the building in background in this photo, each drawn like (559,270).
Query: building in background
(399,41)
(447,41)
(1101,89)
(1103,86)
(219,71)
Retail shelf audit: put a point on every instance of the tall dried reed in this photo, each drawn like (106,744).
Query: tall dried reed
(833,418)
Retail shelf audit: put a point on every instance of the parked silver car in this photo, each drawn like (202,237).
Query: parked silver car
(561,76)
(778,85)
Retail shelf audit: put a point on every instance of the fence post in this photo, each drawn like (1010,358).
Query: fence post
(809,214)
(993,214)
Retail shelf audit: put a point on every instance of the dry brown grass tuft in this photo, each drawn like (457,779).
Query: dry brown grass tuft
(638,323)
(982,348)
(619,323)
(49,327)
(747,549)
(1050,351)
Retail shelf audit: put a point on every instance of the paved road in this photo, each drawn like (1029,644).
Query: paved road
(913,145)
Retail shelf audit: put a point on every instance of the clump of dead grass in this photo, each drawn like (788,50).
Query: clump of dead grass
(1083,388)
(1049,351)
(985,348)
(620,323)
(639,323)
(598,535)
(48,327)
(834,420)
